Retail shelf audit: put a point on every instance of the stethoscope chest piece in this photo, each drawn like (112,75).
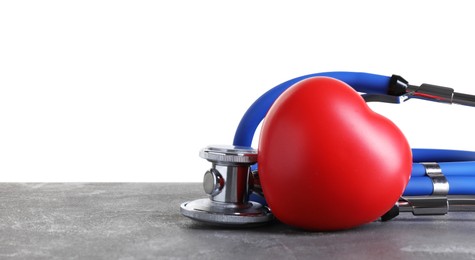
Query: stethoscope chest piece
(211,212)
(228,184)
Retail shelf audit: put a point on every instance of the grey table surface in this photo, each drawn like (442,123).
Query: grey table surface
(142,221)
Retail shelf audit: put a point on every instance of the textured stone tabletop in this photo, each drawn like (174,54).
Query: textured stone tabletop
(142,221)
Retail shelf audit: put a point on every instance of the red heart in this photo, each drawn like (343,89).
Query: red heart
(327,161)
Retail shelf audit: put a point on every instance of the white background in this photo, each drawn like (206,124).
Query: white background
(132,90)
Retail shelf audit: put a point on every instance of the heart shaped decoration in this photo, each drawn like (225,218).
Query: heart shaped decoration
(327,161)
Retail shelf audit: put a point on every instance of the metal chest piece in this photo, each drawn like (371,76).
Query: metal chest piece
(228,184)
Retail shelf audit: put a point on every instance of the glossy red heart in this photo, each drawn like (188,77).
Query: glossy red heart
(327,161)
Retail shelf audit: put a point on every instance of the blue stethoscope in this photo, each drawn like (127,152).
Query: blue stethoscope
(446,184)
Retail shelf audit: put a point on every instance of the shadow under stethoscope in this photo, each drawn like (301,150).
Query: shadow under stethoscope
(277,227)
(273,227)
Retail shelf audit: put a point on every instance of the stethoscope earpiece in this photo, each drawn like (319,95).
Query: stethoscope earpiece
(228,183)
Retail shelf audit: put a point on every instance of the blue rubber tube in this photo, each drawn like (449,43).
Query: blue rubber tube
(458,185)
(435,155)
(361,82)
(448,169)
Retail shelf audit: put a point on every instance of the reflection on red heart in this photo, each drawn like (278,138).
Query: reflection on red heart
(327,161)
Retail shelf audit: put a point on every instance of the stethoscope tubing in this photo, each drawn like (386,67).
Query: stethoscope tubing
(441,155)
(458,185)
(460,174)
(457,166)
(360,81)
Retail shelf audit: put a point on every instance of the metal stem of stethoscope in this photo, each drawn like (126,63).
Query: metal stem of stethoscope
(439,94)
(455,203)
(431,205)
(428,92)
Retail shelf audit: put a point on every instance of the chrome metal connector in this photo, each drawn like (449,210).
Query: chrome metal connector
(437,94)
(455,203)
(437,202)
(400,90)
(431,93)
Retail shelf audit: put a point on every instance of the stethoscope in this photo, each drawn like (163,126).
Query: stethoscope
(421,181)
